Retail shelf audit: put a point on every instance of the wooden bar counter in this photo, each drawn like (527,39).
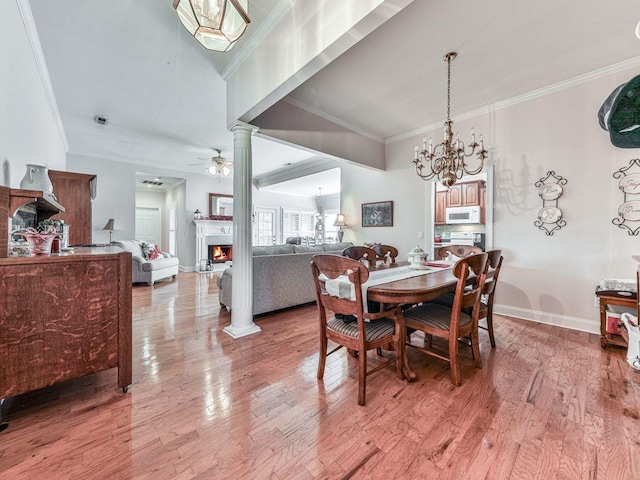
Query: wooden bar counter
(64,316)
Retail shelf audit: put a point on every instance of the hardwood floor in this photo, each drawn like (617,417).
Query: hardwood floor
(548,404)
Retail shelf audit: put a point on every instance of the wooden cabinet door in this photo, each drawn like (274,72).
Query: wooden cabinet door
(441,205)
(470,194)
(483,203)
(455,196)
(73,191)
(21,329)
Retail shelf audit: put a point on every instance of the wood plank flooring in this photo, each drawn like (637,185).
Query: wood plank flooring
(548,403)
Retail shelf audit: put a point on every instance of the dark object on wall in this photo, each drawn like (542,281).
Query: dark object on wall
(620,114)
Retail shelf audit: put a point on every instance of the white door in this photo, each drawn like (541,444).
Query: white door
(148,225)
(265,229)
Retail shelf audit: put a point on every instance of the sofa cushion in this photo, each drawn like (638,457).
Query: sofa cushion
(132,246)
(272,250)
(159,264)
(336,247)
(151,251)
(306,249)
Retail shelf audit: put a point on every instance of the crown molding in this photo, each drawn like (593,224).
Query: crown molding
(525,97)
(280,10)
(38,55)
(332,119)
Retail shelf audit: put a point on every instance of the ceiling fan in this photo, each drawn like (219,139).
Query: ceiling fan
(219,165)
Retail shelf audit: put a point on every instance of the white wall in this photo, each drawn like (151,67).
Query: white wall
(545,278)
(30,130)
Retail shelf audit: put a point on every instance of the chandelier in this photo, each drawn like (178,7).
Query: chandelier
(446,161)
(220,166)
(216,24)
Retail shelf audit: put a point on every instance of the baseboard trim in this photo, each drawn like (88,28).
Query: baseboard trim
(186,269)
(564,321)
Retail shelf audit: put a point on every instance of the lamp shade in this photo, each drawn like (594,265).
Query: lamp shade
(216,24)
(341,221)
(113,225)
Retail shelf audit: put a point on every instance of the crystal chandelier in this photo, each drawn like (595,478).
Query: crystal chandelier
(216,24)
(220,166)
(446,161)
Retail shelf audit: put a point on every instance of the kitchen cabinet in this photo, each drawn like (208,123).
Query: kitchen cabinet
(483,203)
(441,205)
(75,191)
(454,197)
(470,194)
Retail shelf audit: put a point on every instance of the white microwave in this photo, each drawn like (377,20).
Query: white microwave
(463,214)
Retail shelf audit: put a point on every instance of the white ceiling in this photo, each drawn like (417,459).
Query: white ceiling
(133,62)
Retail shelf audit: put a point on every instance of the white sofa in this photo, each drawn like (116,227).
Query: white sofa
(148,271)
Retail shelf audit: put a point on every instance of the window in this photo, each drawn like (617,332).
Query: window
(297,223)
(330,231)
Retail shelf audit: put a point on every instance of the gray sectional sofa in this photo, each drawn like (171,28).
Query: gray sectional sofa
(281,276)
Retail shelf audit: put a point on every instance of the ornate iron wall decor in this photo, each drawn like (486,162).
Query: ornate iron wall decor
(629,209)
(550,216)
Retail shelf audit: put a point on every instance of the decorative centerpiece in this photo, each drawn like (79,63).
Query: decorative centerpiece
(417,257)
(40,243)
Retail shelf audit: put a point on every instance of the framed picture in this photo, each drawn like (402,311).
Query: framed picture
(378,214)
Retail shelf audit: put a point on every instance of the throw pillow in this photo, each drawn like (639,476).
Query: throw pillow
(150,251)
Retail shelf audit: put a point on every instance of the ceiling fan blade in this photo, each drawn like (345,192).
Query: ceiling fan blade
(195,164)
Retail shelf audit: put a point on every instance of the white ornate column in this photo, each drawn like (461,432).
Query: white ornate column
(242,281)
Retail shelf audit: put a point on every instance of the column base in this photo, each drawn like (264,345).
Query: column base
(235,332)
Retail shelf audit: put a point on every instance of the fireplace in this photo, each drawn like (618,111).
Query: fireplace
(220,253)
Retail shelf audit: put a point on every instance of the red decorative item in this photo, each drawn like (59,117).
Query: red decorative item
(39,243)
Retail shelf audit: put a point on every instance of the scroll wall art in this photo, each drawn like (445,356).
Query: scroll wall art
(550,216)
(629,209)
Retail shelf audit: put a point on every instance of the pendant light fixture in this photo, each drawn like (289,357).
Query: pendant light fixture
(216,24)
(220,165)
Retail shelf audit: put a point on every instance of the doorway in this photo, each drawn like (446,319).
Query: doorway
(149,225)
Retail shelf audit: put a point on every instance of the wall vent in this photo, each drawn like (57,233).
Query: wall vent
(155,183)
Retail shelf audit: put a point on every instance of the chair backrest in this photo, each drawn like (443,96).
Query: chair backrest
(361,254)
(385,251)
(466,297)
(460,251)
(329,267)
(495,263)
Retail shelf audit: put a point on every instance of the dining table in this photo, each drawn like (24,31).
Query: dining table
(438,279)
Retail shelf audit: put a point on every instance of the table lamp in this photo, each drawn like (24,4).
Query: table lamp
(341,221)
(113,226)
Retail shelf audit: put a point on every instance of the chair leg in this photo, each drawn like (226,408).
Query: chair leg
(475,348)
(453,361)
(490,325)
(362,376)
(323,355)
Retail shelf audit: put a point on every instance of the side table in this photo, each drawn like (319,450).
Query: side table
(614,297)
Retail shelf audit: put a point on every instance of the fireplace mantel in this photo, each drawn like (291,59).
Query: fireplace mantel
(211,232)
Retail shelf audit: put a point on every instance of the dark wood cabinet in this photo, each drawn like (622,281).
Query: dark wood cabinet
(441,205)
(454,196)
(64,316)
(470,194)
(483,203)
(74,191)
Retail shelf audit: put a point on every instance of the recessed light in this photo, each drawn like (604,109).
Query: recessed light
(288,164)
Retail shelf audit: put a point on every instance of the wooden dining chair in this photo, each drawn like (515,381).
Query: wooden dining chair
(384,252)
(494,264)
(370,330)
(452,323)
(365,255)
(459,251)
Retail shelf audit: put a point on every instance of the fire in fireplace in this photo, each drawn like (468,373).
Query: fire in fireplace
(220,253)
